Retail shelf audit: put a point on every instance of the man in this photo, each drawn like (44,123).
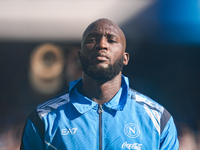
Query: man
(101,111)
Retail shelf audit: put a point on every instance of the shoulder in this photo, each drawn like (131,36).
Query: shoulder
(157,113)
(52,104)
(146,101)
(35,119)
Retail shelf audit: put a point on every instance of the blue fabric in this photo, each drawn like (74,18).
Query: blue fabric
(130,120)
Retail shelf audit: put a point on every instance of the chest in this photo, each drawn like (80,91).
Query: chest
(105,130)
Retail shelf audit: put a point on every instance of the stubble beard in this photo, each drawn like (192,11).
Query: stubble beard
(100,73)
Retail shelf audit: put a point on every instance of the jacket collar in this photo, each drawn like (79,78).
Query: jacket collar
(83,104)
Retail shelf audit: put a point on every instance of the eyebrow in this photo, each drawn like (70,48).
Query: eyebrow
(108,35)
(112,36)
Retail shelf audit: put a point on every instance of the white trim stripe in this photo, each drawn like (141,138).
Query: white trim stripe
(52,105)
(157,116)
(146,100)
(152,118)
(48,102)
(50,145)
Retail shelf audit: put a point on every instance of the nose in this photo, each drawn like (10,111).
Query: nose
(102,43)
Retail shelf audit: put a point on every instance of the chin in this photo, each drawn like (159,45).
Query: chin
(105,66)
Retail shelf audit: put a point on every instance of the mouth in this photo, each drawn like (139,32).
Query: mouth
(100,57)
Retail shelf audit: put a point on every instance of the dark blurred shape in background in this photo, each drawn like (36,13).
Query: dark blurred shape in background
(46,69)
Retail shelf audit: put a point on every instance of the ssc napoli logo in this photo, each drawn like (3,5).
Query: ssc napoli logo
(132,130)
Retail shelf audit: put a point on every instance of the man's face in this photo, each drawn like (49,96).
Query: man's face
(102,53)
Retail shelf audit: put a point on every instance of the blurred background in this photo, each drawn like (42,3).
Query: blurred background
(39,41)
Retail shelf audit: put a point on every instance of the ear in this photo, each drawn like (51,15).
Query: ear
(79,53)
(126,58)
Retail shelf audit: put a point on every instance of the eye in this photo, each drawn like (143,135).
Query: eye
(111,40)
(90,40)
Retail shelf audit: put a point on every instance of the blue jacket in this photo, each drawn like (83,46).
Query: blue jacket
(129,120)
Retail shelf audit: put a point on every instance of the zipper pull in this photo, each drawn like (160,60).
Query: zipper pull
(100,110)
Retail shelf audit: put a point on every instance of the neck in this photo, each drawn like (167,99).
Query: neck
(100,92)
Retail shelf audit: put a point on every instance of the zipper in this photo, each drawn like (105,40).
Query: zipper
(100,111)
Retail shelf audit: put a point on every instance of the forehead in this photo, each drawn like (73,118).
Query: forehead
(102,27)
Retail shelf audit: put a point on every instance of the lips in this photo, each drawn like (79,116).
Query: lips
(100,56)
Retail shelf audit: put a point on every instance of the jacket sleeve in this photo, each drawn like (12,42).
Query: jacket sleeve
(33,134)
(168,138)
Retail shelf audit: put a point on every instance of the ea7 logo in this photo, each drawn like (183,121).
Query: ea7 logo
(68,131)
